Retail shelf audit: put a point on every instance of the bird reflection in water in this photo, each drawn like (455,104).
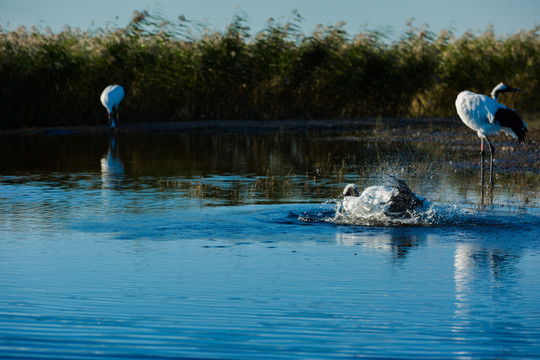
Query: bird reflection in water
(397,242)
(112,168)
(486,271)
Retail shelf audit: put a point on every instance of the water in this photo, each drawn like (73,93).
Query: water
(225,246)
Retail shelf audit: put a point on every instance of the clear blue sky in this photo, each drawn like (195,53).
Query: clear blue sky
(507,16)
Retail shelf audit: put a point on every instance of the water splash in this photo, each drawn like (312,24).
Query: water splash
(431,215)
(366,216)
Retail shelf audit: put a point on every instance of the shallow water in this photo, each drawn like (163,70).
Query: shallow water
(225,247)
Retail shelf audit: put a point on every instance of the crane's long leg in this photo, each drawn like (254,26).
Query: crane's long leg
(113,118)
(109,114)
(482,162)
(116,114)
(491,151)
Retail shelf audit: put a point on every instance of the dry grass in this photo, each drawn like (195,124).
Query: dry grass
(178,70)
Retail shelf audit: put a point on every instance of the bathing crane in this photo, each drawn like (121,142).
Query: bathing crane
(394,200)
(111,98)
(487,117)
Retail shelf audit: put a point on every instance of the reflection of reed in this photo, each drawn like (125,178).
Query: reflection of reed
(112,168)
(283,166)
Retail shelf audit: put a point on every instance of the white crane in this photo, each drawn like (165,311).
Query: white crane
(111,98)
(487,117)
(394,200)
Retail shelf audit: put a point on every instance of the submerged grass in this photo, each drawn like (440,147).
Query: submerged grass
(178,70)
(511,192)
(440,176)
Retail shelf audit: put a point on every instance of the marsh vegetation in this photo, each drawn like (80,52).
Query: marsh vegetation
(181,70)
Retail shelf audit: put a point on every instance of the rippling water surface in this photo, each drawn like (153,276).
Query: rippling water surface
(226,246)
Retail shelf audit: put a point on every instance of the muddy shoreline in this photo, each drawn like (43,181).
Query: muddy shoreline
(240,126)
(510,155)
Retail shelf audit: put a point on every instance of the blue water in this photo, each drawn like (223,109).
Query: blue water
(115,262)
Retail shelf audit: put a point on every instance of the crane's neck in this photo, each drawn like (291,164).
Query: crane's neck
(495,94)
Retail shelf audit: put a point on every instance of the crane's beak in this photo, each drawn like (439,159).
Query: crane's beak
(512,89)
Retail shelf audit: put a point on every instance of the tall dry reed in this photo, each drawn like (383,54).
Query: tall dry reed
(178,70)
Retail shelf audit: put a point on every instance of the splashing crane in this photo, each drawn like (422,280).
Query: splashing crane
(487,117)
(111,98)
(394,200)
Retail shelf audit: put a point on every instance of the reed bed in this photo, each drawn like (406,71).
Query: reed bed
(181,70)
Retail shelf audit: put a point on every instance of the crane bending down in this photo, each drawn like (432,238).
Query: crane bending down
(111,98)
(487,117)
(394,200)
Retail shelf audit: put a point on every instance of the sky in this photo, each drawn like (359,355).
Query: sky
(507,17)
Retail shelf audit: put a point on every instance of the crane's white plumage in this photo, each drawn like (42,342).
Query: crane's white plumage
(488,117)
(374,200)
(111,98)
(395,200)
